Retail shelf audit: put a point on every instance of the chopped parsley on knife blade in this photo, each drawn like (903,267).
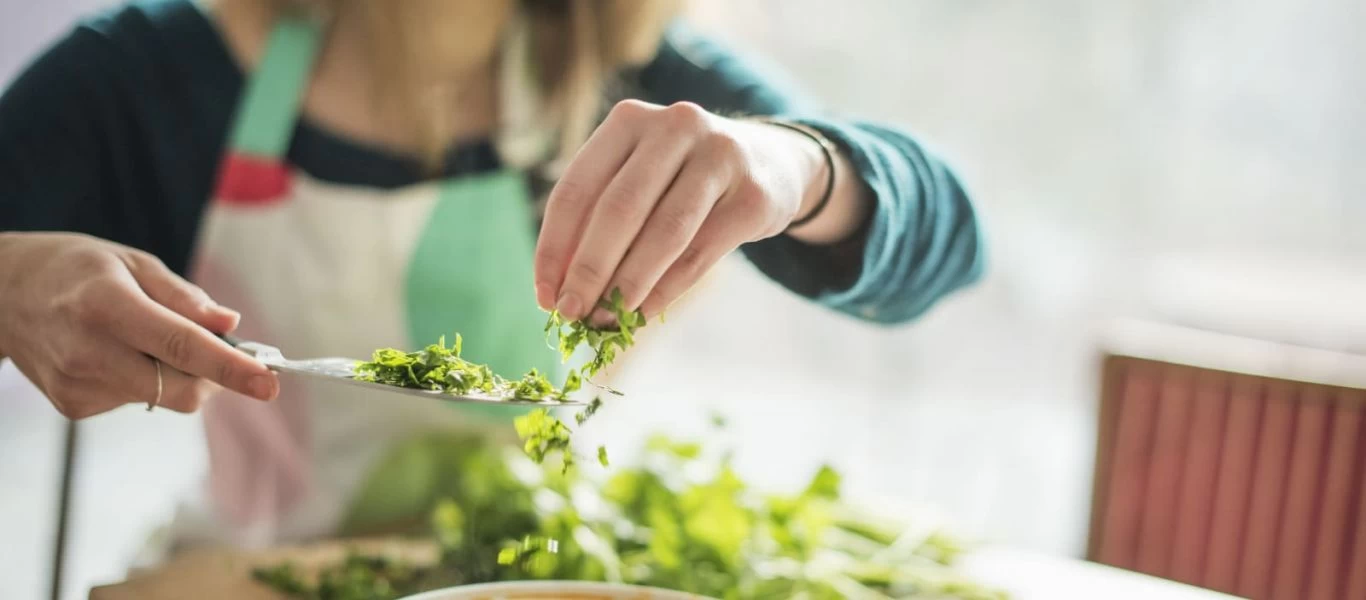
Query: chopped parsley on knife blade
(441,369)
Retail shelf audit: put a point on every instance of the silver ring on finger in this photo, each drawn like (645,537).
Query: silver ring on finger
(156,401)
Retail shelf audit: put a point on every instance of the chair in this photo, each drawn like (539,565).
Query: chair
(1231,463)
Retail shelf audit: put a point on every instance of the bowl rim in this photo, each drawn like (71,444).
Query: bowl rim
(556,585)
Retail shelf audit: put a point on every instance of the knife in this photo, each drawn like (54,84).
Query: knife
(342,371)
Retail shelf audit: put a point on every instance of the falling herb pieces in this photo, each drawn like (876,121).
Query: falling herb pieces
(543,435)
(527,550)
(588,413)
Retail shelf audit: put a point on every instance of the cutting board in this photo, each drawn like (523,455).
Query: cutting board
(225,574)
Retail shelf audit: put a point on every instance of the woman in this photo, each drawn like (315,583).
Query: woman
(351,174)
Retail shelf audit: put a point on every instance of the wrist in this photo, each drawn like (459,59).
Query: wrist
(819,182)
(819,158)
(813,159)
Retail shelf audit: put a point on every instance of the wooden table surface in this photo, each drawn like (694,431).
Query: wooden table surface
(225,575)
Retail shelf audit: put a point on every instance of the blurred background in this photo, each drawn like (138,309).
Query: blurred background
(1190,161)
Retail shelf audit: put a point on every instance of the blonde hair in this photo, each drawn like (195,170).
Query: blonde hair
(554,60)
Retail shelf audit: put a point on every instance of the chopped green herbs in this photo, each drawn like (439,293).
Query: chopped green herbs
(661,525)
(523,553)
(283,578)
(442,369)
(683,520)
(358,577)
(604,342)
(587,413)
(542,435)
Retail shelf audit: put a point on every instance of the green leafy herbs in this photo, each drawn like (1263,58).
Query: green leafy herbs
(588,412)
(683,520)
(604,342)
(526,553)
(442,369)
(358,577)
(543,435)
(285,579)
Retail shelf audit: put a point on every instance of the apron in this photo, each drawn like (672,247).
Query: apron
(320,269)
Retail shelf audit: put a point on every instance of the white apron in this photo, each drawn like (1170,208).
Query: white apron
(321,269)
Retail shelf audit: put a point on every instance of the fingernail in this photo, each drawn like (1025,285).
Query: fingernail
(570,306)
(545,297)
(262,387)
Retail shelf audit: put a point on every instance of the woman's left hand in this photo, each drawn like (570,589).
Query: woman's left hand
(658,195)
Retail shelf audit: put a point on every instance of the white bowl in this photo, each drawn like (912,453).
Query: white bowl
(547,590)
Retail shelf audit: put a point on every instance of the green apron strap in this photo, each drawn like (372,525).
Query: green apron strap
(270,102)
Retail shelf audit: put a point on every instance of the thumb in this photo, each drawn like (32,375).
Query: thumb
(189,300)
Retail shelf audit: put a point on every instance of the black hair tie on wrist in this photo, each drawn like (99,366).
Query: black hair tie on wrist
(827,149)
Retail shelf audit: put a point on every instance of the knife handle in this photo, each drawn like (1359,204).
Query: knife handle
(231,339)
(257,350)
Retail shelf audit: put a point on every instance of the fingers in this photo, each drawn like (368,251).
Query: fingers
(649,217)
(173,292)
(718,236)
(181,392)
(617,221)
(572,199)
(669,230)
(79,399)
(135,375)
(118,375)
(157,331)
(95,311)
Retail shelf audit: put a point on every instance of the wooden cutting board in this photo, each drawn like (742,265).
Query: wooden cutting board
(224,574)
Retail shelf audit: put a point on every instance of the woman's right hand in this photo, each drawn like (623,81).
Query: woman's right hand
(85,319)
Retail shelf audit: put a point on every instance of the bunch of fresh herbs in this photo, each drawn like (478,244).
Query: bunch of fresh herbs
(683,519)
